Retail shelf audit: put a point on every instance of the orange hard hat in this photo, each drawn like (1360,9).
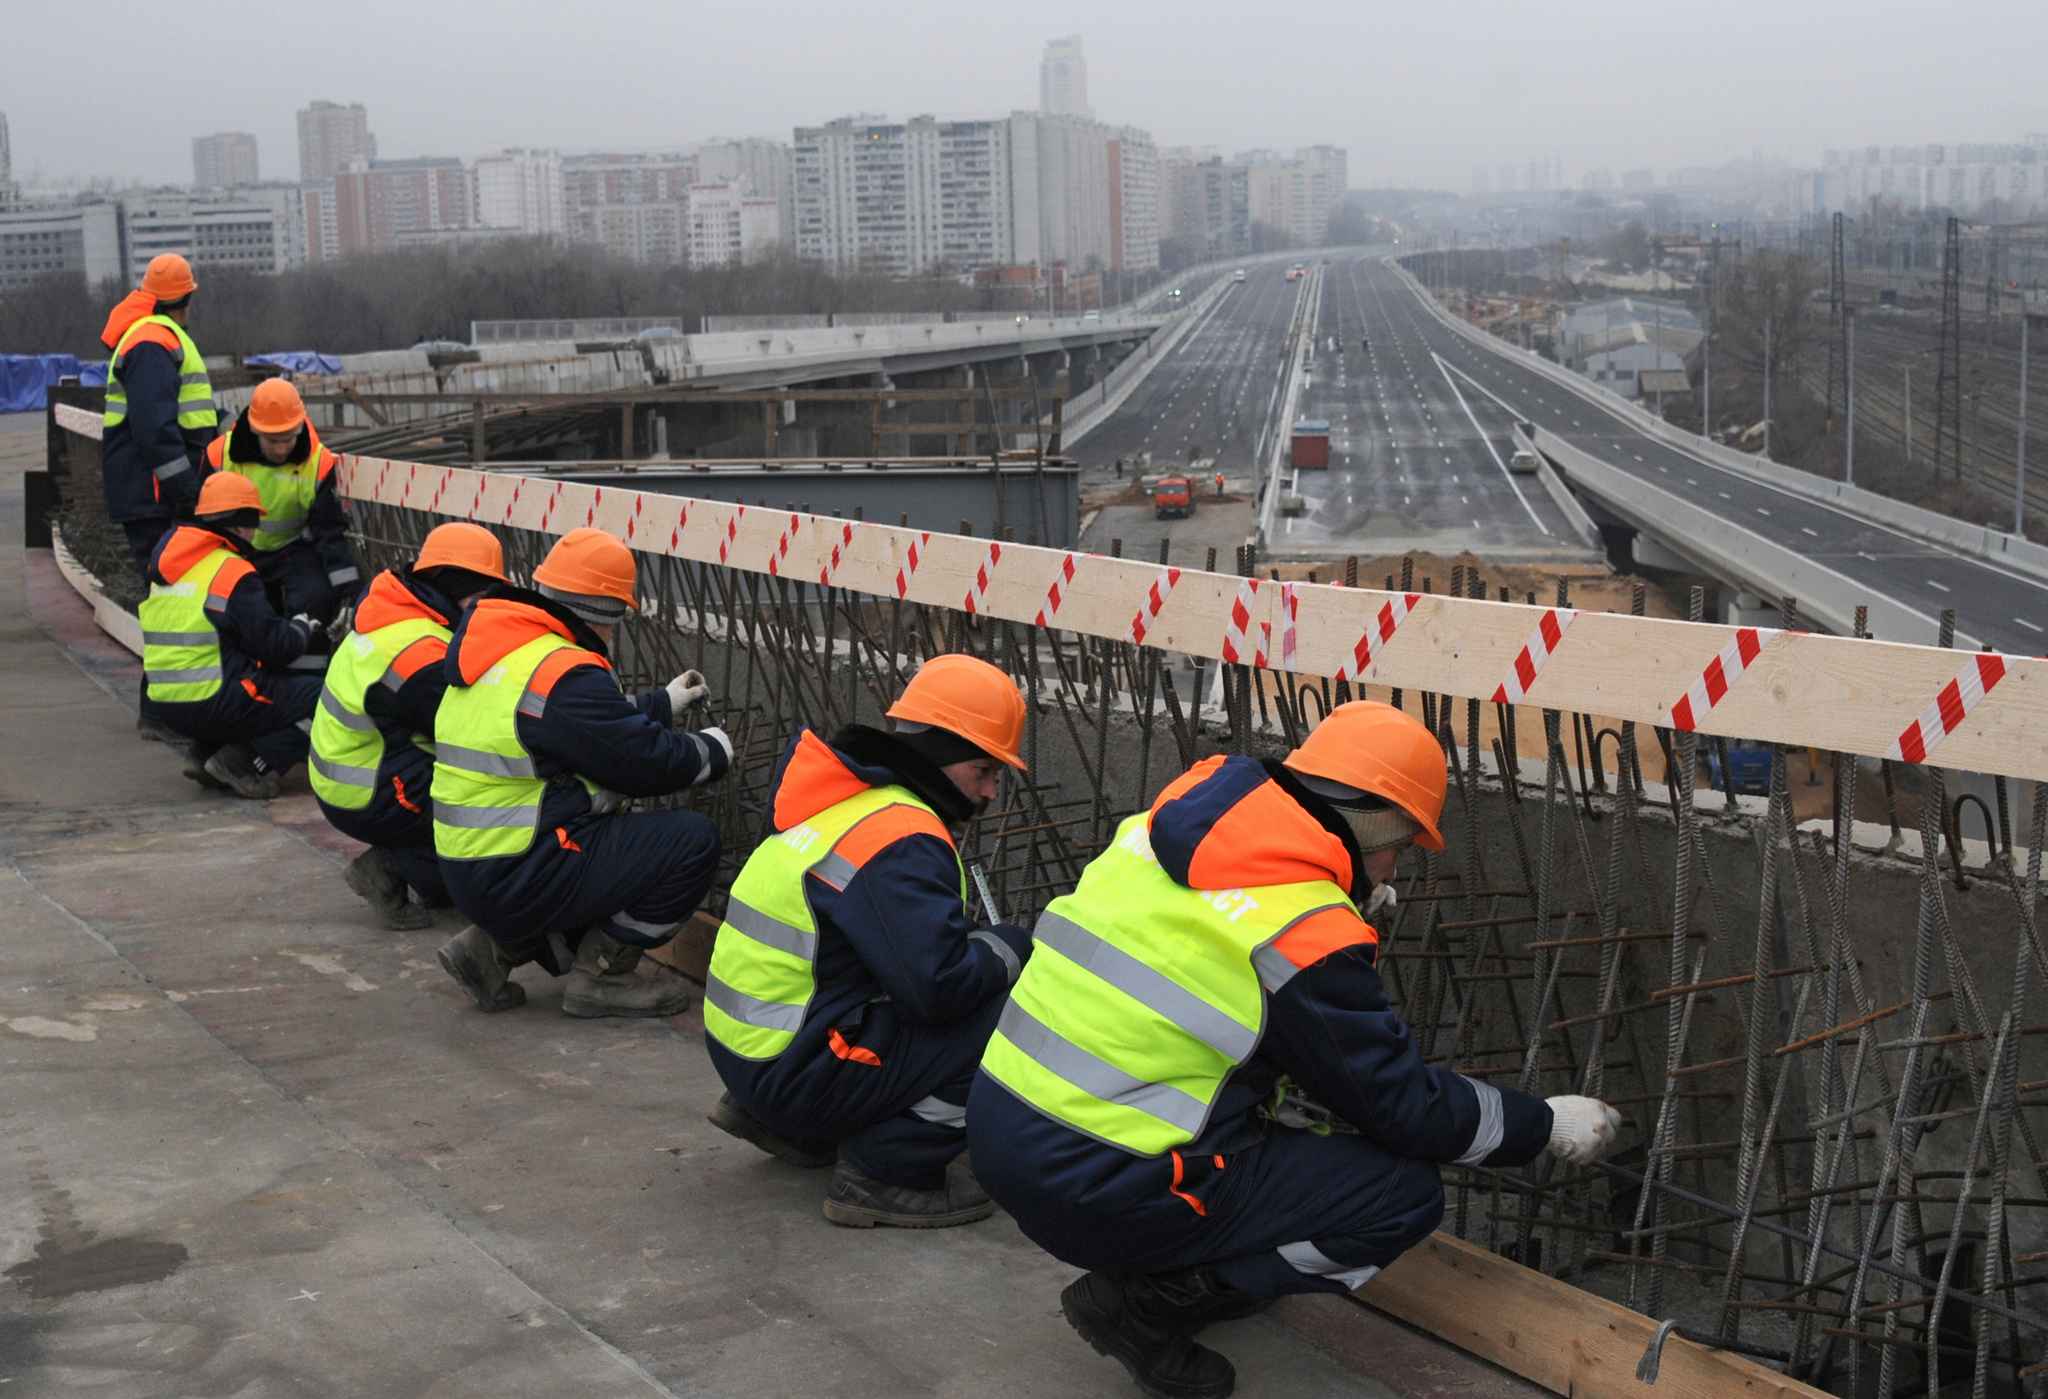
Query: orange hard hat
(225,492)
(169,278)
(276,407)
(966,696)
(460,544)
(588,564)
(1378,749)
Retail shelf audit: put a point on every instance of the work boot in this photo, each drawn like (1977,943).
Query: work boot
(605,981)
(474,959)
(729,1117)
(237,769)
(196,755)
(861,1202)
(1132,1320)
(380,886)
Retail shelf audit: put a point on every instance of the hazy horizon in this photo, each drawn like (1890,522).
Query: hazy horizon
(1429,96)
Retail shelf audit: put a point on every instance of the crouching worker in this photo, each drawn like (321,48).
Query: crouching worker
(850,993)
(219,667)
(535,747)
(301,546)
(372,763)
(1202,999)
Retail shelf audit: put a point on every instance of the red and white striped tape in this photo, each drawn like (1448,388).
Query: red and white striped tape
(590,515)
(1235,641)
(675,536)
(1946,714)
(1535,653)
(1056,594)
(732,531)
(781,550)
(1155,598)
(1721,672)
(914,556)
(633,518)
(977,591)
(841,547)
(518,484)
(548,511)
(1290,612)
(1378,632)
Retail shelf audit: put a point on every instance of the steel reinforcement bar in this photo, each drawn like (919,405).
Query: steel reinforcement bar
(1832,1060)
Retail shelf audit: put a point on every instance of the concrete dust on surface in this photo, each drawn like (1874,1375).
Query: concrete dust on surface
(249,1147)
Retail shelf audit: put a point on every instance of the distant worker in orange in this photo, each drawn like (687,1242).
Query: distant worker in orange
(302,545)
(219,666)
(1219,485)
(851,991)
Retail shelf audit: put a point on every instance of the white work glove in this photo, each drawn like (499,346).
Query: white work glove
(343,620)
(306,622)
(686,689)
(1382,900)
(1582,1130)
(604,801)
(707,739)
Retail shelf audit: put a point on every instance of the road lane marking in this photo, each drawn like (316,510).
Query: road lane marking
(1814,532)
(2029,625)
(1938,587)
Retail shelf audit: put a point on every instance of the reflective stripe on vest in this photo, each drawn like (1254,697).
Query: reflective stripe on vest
(196,412)
(287,493)
(180,645)
(763,971)
(487,792)
(348,747)
(1143,996)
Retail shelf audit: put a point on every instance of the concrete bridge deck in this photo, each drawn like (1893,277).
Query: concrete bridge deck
(253,1145)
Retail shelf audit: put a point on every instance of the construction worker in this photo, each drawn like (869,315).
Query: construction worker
(1204,998)
(535,749)
(219,666)
(850,993)
(159,415)
(372,759)
(302,546)
(1219,485)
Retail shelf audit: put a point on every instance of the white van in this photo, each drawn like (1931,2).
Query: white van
(1523,462)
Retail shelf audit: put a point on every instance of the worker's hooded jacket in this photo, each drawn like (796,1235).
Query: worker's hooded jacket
(199,574)
(1300,998)
(300,501)
(402,626)
(887,904)
(576,730)
(152,452)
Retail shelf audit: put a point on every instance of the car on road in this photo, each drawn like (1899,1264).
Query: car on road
(1237,276)
(1090,317)
(1524,462)
(1173,497)
(441,347)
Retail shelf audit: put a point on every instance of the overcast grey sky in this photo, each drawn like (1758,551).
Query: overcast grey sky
(1417,91)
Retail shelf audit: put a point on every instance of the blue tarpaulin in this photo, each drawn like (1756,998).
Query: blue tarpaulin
(26,380)
(299,362)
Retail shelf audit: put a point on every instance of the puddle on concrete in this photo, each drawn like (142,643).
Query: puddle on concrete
(57,1271)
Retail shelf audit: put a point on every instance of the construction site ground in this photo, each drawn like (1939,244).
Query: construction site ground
(254,1145)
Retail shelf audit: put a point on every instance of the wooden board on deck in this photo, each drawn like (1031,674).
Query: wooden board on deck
(1569,1341)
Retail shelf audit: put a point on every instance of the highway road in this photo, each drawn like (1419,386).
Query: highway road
(1416,462)
(1995,605)
(1214,392)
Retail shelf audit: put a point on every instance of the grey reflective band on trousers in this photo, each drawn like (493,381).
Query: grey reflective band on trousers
(1097,1077)
(308,663)
(762,1015)
(486,818)
(940,1113)
(175,467)
(182,677)
(338,712)
(771,932)
(343,772)
(1492,1128)
(476,760)
(1150,988)
(640,927)
(180,638)
(1305,1257)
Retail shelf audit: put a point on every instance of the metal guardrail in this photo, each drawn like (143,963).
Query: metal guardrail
(1830,1062)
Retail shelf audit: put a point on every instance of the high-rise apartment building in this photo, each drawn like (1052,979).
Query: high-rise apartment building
(904,199)
(1063,79)
(248,230)
(1134,200)
(1294,196)
(82,240)
(1060,179)
(224,160)
(634,206)
(332,138)
(728,224)
(762,165)
(520,189)
(376,206)
(7,191)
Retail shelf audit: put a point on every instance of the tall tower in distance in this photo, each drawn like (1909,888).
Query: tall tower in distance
(6,166)
(224,160)
(331,138)
(1063,79)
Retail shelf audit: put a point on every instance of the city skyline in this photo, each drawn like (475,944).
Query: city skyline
(1522,84)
